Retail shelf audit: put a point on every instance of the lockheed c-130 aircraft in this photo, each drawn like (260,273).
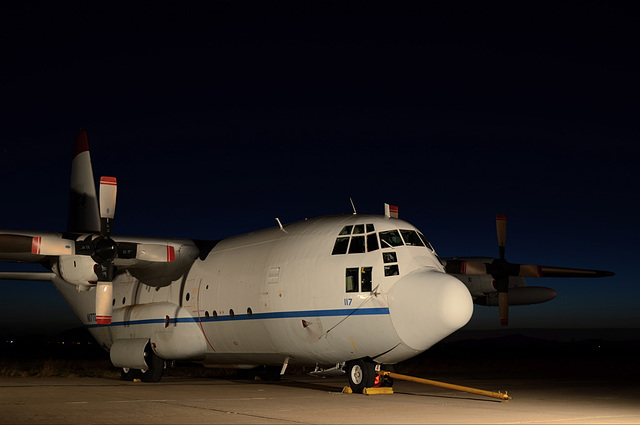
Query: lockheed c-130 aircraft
(342,293)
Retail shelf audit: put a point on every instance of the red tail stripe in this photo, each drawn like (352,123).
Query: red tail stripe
(81,145)
(171,253)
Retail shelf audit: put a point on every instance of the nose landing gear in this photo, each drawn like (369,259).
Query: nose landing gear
(362,374)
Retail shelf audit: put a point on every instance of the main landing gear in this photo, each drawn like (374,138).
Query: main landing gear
(152,374)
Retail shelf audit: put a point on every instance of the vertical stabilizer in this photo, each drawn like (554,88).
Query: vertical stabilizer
(83,202)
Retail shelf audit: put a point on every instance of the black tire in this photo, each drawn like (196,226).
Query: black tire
(156,367)
(361,374)
(127,374)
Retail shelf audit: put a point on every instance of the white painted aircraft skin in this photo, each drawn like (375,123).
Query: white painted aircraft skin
(262,297)
(272,297)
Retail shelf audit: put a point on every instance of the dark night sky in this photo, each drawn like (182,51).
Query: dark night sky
(217,119)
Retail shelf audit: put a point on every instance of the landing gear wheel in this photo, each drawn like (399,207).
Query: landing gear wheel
(127,374)
(362,374)
(156,367)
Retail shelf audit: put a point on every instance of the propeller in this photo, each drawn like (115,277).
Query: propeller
(501,269)
(105,250)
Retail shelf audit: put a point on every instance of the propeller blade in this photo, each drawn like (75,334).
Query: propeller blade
(48,245)
(16,244)
(108,191)
(503,306)
(157,253)
(502,286)
(465,267)
(501,227)
(104,297)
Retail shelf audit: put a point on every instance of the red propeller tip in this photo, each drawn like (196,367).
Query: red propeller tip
(108,180)
(501,217)
(36,243)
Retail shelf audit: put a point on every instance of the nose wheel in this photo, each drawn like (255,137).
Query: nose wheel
(362,374)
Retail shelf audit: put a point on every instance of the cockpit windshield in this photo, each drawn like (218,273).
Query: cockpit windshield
(411,238)
(360,238)
(390,238)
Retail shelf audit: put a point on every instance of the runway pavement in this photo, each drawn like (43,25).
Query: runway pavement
(302,399)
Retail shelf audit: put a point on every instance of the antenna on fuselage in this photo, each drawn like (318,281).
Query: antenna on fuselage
(353,206)
(280,224)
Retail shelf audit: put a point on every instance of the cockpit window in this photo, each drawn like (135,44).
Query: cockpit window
(340,246)
(426,242)
(364,241)
(346,230)
(352,280)
(391,270)
(372,242)
(389,257)
(390,238)
(357,245)
(411,238)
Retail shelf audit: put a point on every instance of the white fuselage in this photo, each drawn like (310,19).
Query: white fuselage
(261,297)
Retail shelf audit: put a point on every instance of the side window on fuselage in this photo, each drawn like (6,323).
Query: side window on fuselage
(358,279)
(351,280)
(390,269)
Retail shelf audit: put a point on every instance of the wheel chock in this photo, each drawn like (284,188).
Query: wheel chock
(378,390)
(370,391)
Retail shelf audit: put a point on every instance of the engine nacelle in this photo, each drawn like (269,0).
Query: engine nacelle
(171,329)
(523,295)
(129,353)
(76,269)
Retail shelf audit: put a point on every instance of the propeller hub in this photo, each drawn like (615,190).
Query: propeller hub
(105,250)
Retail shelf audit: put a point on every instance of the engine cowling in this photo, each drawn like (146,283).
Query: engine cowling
(76,269)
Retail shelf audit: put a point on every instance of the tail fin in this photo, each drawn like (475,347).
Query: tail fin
(83,202)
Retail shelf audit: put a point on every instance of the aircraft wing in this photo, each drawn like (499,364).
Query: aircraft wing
(74,257)
(34,276)
(470,266)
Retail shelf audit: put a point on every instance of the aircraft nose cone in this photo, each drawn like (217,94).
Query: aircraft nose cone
(425,306)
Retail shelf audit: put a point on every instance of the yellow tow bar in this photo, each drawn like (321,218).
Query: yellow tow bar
(502,396)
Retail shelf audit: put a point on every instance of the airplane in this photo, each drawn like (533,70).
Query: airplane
(343,293)
(498,282)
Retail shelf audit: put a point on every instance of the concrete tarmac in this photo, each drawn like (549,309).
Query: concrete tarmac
(307,400)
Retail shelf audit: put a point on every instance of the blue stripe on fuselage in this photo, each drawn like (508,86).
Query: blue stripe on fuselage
(256,316)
